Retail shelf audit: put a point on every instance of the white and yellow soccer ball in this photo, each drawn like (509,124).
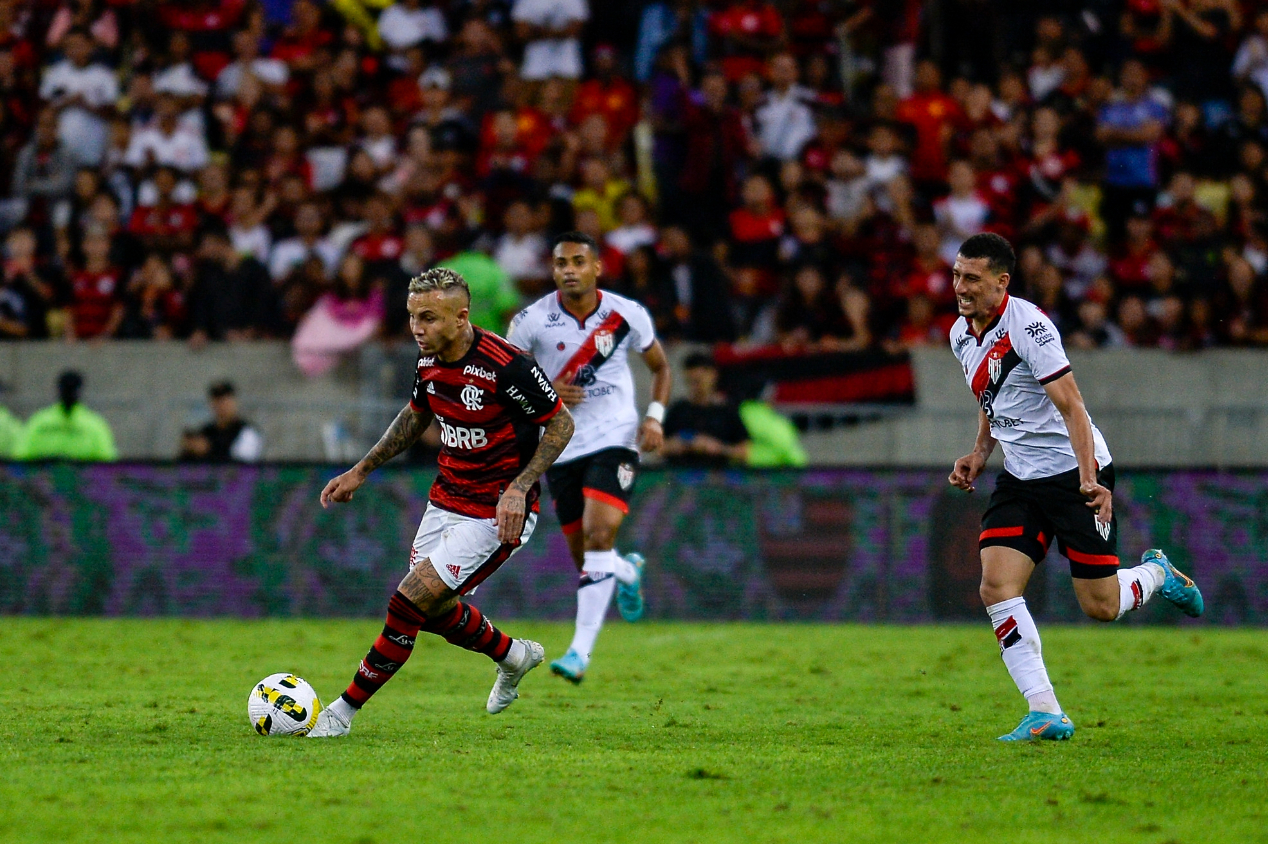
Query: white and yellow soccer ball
(283,705)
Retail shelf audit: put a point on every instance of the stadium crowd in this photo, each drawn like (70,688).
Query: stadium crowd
(796,172)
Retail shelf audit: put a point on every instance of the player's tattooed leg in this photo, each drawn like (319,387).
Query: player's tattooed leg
(426,590)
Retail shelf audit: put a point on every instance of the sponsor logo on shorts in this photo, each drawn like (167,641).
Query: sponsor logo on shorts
(625,475)
(479,372)
(456,436)
(473,397)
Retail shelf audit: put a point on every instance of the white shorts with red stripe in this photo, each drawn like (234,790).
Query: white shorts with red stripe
(463,550)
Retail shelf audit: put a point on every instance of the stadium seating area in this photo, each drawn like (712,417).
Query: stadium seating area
(795,172)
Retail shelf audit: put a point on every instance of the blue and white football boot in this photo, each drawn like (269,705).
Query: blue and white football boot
(570,666)
(1178,588)
(629,596)
(1039,726)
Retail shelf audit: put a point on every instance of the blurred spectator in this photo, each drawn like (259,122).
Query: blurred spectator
(165,141)
(232,297)
(704,429)
(408,23)
(784,120)
(550,30)
(28,295)
(493,296)
(962,213)
(746,33)
(932,114)
(66,430)
(717,143)
(84,92)
(43,171)
(155,307)
(812,315)
(227,437)
(1130,128)
(522,251)
(96,309)
(702,309)
(341,320)
(308,242)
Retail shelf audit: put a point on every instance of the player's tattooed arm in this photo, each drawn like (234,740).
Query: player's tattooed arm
(407,427)
(513,506)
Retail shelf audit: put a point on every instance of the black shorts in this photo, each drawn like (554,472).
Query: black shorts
(606,476)
(1027,515)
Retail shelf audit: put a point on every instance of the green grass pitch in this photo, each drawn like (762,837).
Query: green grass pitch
(128,731)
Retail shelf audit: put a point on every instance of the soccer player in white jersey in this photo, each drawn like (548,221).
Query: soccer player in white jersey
(583,337)
(1057,481)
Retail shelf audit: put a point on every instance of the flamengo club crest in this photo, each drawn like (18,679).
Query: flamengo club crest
(604,342)
(473,397)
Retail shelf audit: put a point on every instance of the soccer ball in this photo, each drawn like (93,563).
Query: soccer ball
(283,705)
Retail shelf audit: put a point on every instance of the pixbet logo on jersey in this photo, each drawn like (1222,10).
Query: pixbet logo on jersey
(479,372)
(455,436)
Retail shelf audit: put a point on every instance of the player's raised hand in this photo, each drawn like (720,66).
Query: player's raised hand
(966,471)
(570,394)
(651,436)
(1100,499)
(510,515)
(340,489)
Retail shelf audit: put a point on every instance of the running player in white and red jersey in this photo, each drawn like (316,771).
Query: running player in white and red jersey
(502,425)
(1057,481)
(584,338)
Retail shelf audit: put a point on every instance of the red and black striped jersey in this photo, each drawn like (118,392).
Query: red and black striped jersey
(490,405)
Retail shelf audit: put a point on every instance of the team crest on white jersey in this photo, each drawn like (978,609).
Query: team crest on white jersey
(993,368)
(473,397)
(625,475)
(604,342)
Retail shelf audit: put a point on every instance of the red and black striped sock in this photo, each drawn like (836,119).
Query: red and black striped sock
(389,652)
(466,627)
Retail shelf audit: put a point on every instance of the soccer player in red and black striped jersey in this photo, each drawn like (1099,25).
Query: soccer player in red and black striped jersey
(502,425)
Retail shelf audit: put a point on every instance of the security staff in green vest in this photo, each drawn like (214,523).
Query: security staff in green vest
(66,430)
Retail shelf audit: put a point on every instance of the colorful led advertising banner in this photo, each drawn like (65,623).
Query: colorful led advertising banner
(820,545)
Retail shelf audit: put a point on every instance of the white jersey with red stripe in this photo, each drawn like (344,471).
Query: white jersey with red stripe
(1007,367)
(592,353)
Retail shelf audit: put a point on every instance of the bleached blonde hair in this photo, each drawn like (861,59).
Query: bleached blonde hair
(439,278)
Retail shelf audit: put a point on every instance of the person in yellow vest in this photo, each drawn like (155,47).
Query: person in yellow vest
(66,430)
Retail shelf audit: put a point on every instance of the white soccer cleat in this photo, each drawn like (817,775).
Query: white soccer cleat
(509,675)
(329,725)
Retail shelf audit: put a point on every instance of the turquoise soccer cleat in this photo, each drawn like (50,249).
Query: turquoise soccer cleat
(629,596)
(1178,588)
(1039,726)
(570,666)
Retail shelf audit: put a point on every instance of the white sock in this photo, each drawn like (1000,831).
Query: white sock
(516,652)
(610,561)
(593,596)
(342,710)
(1137,585)
(1023,655)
